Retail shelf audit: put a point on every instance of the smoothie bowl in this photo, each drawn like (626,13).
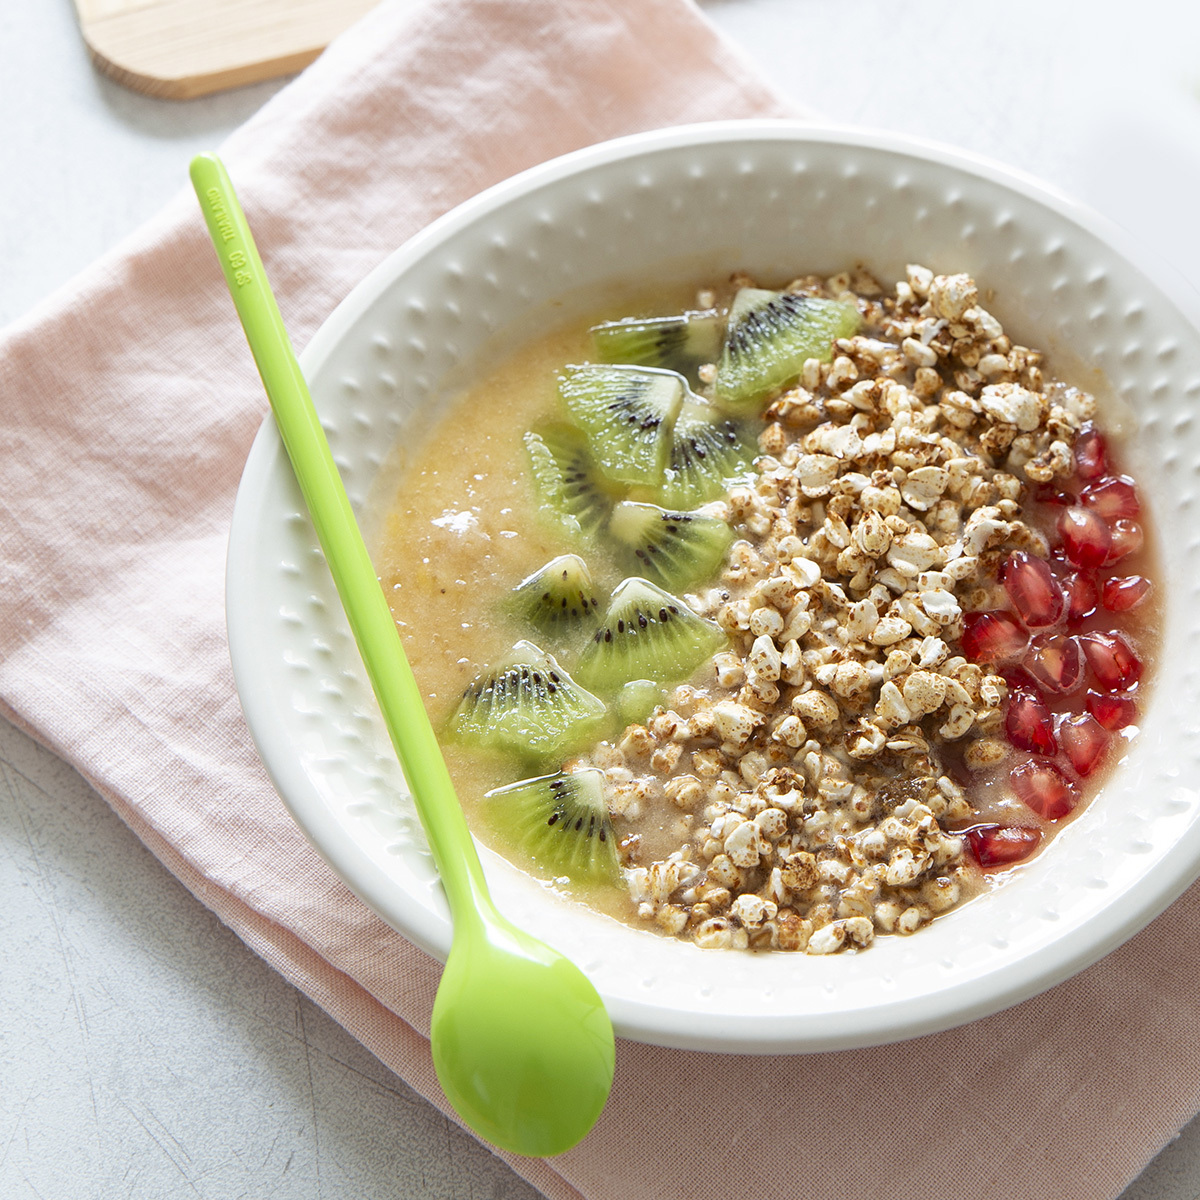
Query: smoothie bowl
(790,530)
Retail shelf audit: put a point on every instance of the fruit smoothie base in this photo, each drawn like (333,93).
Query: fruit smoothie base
(786,620)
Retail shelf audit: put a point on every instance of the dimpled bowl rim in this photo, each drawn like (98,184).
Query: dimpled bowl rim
(774,197)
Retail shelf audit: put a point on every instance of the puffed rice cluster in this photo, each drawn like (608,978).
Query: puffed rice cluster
(803,779)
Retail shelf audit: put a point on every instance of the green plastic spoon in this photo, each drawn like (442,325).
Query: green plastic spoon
(521,1043)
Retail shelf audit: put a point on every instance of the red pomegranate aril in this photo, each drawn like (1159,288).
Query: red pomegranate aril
(1044,789)
(993,637)
(1124,592)
(1113,712)
(1083,595)
(1050,493)
(1086,537)
(1019,680)
(1029,724)
(1124,539)
(1091,453)
(1034,591)
(1084,739)
(1112,660)
(1055,663)
(1112,498)
(1001,845)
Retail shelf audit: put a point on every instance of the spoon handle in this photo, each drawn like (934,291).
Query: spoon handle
(337,531)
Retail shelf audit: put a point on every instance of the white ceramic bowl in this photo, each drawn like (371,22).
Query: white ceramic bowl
(775,198)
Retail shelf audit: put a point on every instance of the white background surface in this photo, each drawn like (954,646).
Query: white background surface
(144,1052)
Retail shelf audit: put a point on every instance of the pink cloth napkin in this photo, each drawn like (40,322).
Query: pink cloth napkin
(129,402)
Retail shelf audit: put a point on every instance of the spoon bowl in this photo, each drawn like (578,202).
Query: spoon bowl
(521,1042)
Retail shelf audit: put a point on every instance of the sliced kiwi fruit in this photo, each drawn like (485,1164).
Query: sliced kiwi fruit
(708,451)
(682,343)
(570,490)
(676,549)
(559,600)
(626,414)
(768,339)
(646,634)
(527,705)
(561,821)
(637,700)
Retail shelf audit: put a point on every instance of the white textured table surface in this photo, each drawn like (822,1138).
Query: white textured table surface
(144,1051)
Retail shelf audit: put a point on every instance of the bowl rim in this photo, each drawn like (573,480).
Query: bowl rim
(949,1006)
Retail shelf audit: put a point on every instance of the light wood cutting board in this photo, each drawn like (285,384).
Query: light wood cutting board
(184,48)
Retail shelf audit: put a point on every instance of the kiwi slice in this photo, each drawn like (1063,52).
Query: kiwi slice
(626,414)
(683,343)
(708,451)
(675,549)
(638,699)
(528,705)
(559,600)
(770,335)
(646,634)
(566,480)
(561,821)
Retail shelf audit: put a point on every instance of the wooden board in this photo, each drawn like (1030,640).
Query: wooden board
(184,48)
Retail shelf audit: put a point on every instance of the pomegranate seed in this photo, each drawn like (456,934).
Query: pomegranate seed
(1112,498)
(1049,493)
(1125,592)
(1020,680)
(1086,537)
(1084,739)
(1029,724)
(1112,660)
(1125,539)
(1082,595)
(1034,591)
(1056,663)
(993,637)
(1113,712)
(1044,788)
(1091,453)
(1000,845)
